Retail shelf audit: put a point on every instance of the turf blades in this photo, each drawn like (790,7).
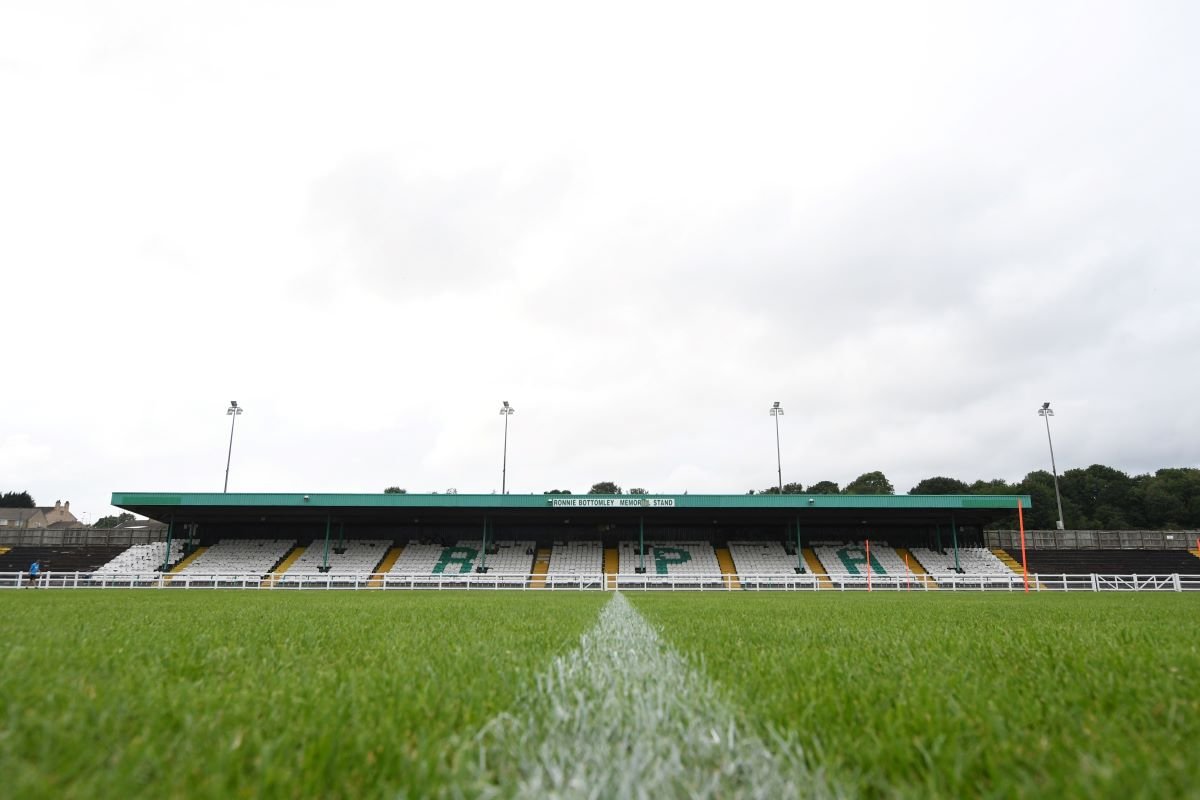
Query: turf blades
(624,716)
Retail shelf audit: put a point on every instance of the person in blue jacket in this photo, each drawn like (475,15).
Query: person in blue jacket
(35,569)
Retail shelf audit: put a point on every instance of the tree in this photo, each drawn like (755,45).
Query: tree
(788,488)
(994,486)
(939,485)
(558,491)
(638,490)
(112,522)
(1039,485)
(870,483)
(824,487)
(395,490)
(17,500)
(605,487)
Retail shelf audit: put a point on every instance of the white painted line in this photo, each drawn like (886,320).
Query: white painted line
(624,716)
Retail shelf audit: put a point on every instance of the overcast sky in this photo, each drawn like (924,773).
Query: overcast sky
(640,223)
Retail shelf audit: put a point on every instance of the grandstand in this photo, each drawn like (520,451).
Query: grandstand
(352,557)
(457,541)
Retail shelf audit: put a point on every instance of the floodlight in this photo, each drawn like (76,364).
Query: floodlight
(1045,412)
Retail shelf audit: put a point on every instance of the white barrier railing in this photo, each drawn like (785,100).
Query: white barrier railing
(632,582)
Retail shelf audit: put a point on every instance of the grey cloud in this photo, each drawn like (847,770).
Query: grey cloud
(404,232)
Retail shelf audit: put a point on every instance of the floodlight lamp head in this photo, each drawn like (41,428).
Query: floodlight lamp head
(1045,405)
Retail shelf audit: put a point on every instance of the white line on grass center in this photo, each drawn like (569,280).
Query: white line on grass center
(624,716)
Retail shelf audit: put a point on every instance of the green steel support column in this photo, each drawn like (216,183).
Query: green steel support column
(641,544)
(954,533)
(799,549)
(328,522)
(483,550)
(939,537)
(170,534)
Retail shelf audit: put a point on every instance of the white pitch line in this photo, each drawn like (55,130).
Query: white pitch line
(624,716)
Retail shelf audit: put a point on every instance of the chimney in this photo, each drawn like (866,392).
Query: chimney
(57,504)
(66,505)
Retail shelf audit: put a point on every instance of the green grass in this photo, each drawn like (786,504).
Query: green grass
(251,694)
(372,694)
(961,696)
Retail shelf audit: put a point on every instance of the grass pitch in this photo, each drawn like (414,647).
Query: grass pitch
(261,694)
(990,695)
(382,694)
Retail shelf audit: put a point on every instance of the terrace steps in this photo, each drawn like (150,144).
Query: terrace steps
(922,577)
(1195,552)
(286,564)
(1008,560)
(816,568)
(728,570)
(612,564)
(4,549)
(389,560)
(541,565)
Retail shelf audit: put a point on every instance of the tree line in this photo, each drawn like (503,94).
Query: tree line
(1095,498)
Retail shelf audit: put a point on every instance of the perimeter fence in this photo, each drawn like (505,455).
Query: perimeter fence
(808,582)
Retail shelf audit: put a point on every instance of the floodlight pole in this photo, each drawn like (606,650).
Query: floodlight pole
(506,411)
(1045,412)
(233,412)
(777,412)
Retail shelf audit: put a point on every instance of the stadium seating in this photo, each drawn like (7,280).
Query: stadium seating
(765,565)
(576,558)
(237,559)
(359,557)
(669,562)
(512,558)
(972,560)
(847,563)
(762,558)
(571,563)
(144,561)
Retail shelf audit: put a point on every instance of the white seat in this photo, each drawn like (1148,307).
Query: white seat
(143,561)
(239,558)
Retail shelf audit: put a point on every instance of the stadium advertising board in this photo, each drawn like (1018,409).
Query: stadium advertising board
(612,502)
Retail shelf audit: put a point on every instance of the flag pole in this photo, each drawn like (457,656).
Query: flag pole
(1024,563)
